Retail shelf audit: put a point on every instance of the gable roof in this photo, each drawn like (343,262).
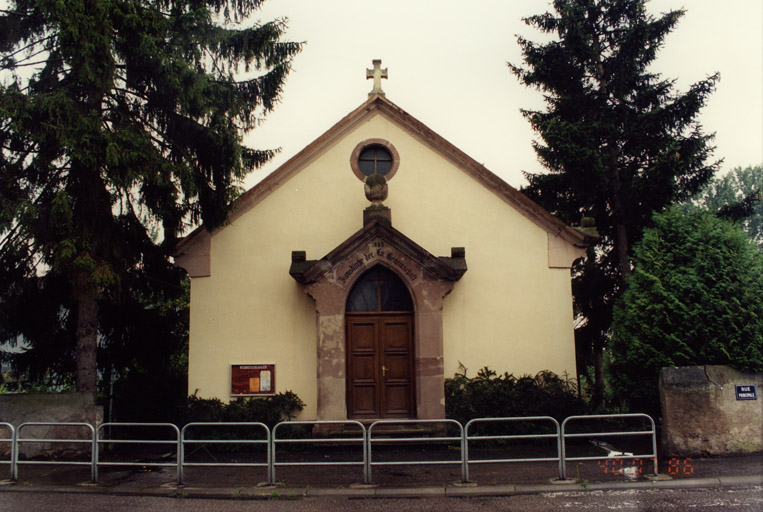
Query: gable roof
(379,104)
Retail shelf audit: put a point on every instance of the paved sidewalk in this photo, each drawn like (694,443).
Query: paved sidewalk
(396,481)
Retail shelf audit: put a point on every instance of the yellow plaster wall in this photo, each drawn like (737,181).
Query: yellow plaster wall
(510,311)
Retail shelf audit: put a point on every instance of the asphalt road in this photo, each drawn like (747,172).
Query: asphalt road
(747,499)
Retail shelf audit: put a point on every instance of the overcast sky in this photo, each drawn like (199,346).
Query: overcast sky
(447,67)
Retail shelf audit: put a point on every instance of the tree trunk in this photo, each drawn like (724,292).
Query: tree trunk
(615,185)
(618,212)
(87,344)
(598,377)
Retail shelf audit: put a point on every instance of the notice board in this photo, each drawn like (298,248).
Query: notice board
(253,379)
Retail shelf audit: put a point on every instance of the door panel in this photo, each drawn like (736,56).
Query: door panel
(363,368)
(397,368)
(396,340)
(364,401)
(380,366)
(397,335)
(397,402)
(364,333)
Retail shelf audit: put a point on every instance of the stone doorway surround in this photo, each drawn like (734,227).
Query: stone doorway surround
(329,280)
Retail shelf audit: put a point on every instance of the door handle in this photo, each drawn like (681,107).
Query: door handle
(384,371)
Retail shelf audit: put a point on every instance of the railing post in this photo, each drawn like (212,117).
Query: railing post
(269,455)
(563,461)
(654,443)
(15,456)
(98,432)
(268,450)
(272,472)
(464,456)
(12,451)
(559,449)
(366,476)
(465,470)
(94,454)
(181,455)
(178,455)
(370,455)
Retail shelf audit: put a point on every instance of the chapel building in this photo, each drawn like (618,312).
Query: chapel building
(362,308)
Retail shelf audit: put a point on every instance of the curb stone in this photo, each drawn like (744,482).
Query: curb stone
(286,493)
(406,492)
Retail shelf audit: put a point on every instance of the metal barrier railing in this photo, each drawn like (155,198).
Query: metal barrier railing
(204,442)
(12,451)
(365,439)
(652,432)
(371,441)
(19,439)
(467,438)
(175,442)
(348,440)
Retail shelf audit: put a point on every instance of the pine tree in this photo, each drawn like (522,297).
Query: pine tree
(617,140)
(121,123)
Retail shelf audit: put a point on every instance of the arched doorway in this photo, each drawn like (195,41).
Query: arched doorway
(379,322)
(350,380)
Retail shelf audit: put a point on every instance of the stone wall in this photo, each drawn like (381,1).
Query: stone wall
(44,407)
(702,416)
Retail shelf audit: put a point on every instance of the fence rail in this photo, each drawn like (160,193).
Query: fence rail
(19,440)
(381,423)
(203,442)
(325,424)
(534,419)
(12,451)
(109,440)
(376,434)
(651,432)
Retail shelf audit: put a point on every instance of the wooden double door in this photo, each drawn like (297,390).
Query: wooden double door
(380,365)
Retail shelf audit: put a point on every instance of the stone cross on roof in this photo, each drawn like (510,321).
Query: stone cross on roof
(377,74)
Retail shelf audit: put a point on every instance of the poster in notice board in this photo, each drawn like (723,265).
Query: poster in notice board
(253,379)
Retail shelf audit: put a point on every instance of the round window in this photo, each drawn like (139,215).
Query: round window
(374,156)
(375,160)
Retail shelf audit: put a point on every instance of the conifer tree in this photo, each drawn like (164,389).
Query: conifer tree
(695,298)
(617,140)
(737,196)
(121,122)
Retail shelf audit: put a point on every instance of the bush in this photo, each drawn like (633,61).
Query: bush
(695,298)
(268,410)
(489,395)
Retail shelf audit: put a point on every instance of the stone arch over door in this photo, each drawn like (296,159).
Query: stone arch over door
(329,281)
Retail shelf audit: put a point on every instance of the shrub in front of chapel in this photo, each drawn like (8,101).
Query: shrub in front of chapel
(489,395)
(269,410)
